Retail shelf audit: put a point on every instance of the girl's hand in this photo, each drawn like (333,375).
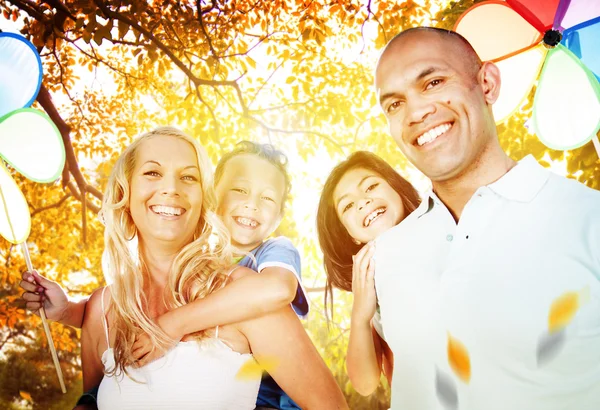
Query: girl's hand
(40,291)
(363,284)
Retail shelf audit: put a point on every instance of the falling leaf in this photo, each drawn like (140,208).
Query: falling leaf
(445,389)
(562,311)
(549,346)
(25,395)
(458,357)
(252,370)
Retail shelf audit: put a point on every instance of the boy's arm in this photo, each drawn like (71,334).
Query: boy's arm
(248,296)
(40,291)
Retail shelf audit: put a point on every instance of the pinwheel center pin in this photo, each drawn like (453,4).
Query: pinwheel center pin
(552,38)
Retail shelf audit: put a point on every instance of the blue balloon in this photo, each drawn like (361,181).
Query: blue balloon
(20,72)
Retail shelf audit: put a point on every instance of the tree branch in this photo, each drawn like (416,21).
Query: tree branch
(56,205)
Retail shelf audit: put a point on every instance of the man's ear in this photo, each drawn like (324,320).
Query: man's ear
(490,81)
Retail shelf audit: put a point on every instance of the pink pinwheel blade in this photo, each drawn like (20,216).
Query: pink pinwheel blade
(579,11)
(539,13)
(496,31)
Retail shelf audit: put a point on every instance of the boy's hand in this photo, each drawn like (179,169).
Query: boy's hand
(363,284)
(41,291)
(145,352)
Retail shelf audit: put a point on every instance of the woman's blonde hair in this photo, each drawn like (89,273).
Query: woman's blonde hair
(199,269)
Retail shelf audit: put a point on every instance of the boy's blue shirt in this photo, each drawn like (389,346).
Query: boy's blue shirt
(279,252)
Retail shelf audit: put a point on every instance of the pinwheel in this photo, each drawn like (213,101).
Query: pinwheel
(29,142)
(553,42)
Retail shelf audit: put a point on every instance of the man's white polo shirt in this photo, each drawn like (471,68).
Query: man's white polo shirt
(502,310)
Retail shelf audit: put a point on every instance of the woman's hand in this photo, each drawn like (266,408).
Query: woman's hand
(363,284)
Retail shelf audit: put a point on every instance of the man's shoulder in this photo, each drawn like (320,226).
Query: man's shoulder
(416,217)
(572,193)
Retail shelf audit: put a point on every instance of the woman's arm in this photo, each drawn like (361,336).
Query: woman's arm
(92,342)
(279,340)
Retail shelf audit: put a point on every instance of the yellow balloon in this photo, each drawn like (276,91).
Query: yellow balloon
(15,220)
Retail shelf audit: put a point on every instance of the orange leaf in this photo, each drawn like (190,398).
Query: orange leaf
(563,310)
(458,357)
(25,395)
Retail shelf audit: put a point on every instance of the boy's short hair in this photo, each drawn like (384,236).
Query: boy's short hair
(266,151)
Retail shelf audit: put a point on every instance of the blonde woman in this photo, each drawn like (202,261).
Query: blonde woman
(160,193)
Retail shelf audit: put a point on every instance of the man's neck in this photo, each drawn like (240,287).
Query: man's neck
(457,191)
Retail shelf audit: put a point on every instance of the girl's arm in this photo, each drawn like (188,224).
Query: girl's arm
(364,358)
(280,343)
(40,291)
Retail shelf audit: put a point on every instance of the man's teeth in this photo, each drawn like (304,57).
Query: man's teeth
(167,210)
(433,134)
(247,221)
(373,215)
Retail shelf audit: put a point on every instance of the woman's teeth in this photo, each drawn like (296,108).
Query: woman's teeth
(167,210)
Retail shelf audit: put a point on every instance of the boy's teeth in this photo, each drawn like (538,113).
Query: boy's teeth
(167,210)
(433,134)
(247,221)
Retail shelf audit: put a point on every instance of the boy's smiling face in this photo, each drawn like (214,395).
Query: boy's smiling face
(250,194)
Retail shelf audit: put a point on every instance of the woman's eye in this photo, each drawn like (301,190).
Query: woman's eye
(372,186)
(347,207)
(190,178)
(240,190)
(266,198)
(152,173)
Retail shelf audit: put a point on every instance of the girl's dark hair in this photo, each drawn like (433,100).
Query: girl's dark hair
(335,241)
(265,151)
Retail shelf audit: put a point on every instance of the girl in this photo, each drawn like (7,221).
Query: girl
(362,197)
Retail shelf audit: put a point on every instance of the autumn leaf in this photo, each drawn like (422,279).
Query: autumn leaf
(458,358)
(25,396)
(252,370)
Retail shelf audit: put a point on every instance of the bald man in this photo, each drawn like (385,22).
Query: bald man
(490,291)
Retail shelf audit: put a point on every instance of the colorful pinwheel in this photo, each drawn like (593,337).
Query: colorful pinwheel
(554,42)
(29,142)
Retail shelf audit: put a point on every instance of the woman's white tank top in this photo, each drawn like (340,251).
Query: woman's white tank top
(192,375)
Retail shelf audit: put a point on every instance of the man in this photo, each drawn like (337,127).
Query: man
(490,290)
